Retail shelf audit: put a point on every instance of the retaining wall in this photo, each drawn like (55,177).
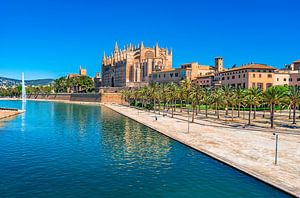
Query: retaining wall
(84,97)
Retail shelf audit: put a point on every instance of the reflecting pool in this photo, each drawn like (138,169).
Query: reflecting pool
(68,150)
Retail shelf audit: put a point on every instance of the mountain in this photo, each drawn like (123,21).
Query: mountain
(9,82)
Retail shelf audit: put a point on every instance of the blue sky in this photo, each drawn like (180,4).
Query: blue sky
(52,38)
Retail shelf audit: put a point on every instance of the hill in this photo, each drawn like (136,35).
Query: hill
(10,82)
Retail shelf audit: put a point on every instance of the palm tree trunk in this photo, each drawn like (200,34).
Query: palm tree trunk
(226,112)
(193,116)
(217,110)
(180,105)
(216,107)
(232,113)
(172,112)
(294,113)
(272,115)
(174,104)
(206,110)
(290,112)
(249,117)
(254,115)
(239,109)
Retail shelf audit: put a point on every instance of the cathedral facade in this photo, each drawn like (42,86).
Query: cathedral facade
(132,65)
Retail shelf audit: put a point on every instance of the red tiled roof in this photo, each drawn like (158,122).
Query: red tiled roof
(250,66)
(297,61)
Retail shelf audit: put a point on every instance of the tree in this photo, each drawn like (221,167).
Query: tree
(217,96)
(207,99)
(274,96)
(294,99)
(239,96)
(257,98)
(171,96)
(227,95)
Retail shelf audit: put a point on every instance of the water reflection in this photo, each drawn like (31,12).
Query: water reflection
(130,144)
(23,116)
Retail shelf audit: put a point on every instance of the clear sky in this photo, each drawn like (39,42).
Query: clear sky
(50,38)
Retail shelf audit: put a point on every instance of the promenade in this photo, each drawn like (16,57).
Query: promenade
(8,113)
(249,150)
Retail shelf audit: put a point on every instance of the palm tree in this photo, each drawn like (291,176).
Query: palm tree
(233,102)
(227,93)
(171,96)
(193,99)
(239,96)
(274,96)
(198,96)
(206,99)
(294,98)
(250,100)
(257,96)
(186,86)
(217,96)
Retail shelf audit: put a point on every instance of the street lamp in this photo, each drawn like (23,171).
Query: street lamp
(276,147)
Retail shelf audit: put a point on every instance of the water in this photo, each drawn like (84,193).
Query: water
(66,150)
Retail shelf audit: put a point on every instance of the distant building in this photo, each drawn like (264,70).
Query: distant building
(97,81)
(251,75)
(246,76)
(132,65)
(189,71)
(82,72)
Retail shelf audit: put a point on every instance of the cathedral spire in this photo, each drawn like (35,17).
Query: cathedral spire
(116,48)
(156,49)
(142,45)
(104,58)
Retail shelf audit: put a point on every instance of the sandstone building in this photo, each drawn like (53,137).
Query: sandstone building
(131,66)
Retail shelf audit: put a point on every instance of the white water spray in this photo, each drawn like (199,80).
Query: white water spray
(23,88)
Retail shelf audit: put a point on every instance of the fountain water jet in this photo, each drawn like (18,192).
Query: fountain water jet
(23,88)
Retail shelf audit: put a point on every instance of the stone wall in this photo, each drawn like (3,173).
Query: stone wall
(111,98)
(81,97)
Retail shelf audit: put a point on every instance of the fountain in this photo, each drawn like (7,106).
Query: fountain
(23,88)
(23,103)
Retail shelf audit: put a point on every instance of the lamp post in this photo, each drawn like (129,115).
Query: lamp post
(276,147)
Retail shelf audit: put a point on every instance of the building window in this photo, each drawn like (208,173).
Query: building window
(269,85)
(233,77)
(239,76)
(223,78)
(290,79)
(259,75)
(244,75)
(269,75)
(277,79)
(253,84)
(284,79)
(228,78)
(298,79)
(244,85)
(253,75)
(260,85)
(176,74)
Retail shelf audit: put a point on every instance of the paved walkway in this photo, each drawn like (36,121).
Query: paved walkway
(8,113)
(247,150)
